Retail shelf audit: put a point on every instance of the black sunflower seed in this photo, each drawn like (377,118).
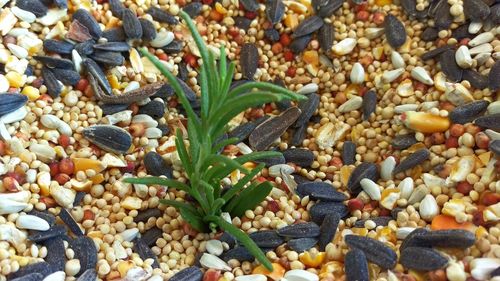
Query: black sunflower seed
(272,34)
(108,109)
(40,236)
(56,255)
(329,7)
(369,104)
(402,142)
(275,10)
(493,80)
(250,5)
(423,259)
(299,230)
(85,48)
(450,238)
(35,276)
(409,240)
(271,161)
(349,153)
(42,268)
(300,245)
(382,221)
(429,34)
(113,46)
(48,217)
(55,62)
(86,251)
(174,47)
(495,146)
(96,72)
(87,20)
(151,235)
(116,7)
(116,34)
(192,273)
(326,35)
(131,25)
(148,30)
(57,46)
(495,13)
(449,66)
(328,229)
(491,121)
(394,31)
(156,165)
(267,238)
(242,23)
(300,43)
(11,102)
(308,26)
(193,9)
(267,132)
(307,107)
(162,16)
(109,138)
(73,226)
(468,112)
(34,6)
(356,266)
(88,275)
(362,171)
(413,160)
(320,210)
(144,216)
(249,60)
(320,191)
(49,79)
(298,136)
(155,109)
(374,250)
(299,156)
(243,131)
(442,17)
(435,52)
(476,79)
(66,76)
(190,95)
(476,10)
(410,7)
(461,32)
(228,238)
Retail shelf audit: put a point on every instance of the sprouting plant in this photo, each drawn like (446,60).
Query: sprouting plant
(204,166)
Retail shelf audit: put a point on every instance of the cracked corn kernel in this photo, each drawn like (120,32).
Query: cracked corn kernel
(31,92)
(425,122)
(312,260)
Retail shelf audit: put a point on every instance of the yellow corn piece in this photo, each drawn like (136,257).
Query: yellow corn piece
(220,9)
(311,57)
(276,274)
(97,179)
(31,92)
(291,20)
(15,79)
(383,2)
(123,267)
(83,164)
(311,260)
(113,81)
(425,122)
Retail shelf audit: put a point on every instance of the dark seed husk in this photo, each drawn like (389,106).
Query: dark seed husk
(299,179)
(468,112)
(413,160)
(477,80)
(402,142)
(271,161)
(108,109)
(192,273)
(34,6)
(96,72)
(299,44)
(275,10)
(317,4)
(85,48)
(174,47)
(410,240)
(56,255)
(154,108)
(267,238)
(49,79)
(442,17)
(193,9)
(267,132)
(70,222)
(116,7)
(349,153)
(493,80)
(87,20)
(299,156)
(48,217)
(329,7)
(308,26)
(35,276)
(300,245)
(156,165)
(423,259)
(116,34)
(66,76)
(240,254)
(162,16)
(298,136)
(308,107)
(449,66)
(55,62)
(326,35)
(320,210)
(394,31)
(395,212)
(495,13)
(242,23)
(374,250)
(435,52)
(382,221)
(491,121)
(369,104)
(495,272)
(57,46)
(243,131)
(495,146)
(249,60)
(328,229)
(11,102)
(79,198)
(109,138)
(40,236)
(272,34)
(364,170)
(113,46)
(320,191)
(476,9)
(429,34)
(450,238)
(131,25)
(148,30)
(85,251)
(410,7)
(144,216)
(228,238)
(299,230)
(183,72)
(88,275)
(41,268)
(356,266)
(190,95)
(151,235)
(250,5)
(461,32)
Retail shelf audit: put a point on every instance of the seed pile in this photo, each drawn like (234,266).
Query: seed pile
(388,169)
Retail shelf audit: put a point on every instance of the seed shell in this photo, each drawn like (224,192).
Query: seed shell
(87,20)
(151,235)
(35,276)
(477,80)
(320,210)
(423,259)
(86,251)
(442,16)
(116,7)
(275,10)
(402,142)
(267,238)
(299,230)
(356,266)
(300,245)
(56,255)
(145,252)
(40,236)
(156,165)
(362,171)
(70,222)
(328,7)
(412,160)
(327,230)
(468,112)
(493,80)
(491,121)
(108,137)
(66,76)
(96,72)
(174,47)
(55,62)
(42,268)
(436,52)
(394,31)
(191,273)
(116,34)
(144,216)
(240,254)
(162,16)
(11,102)
(429,34)
(308,26)
(449,66)
(267,132)
(320,191)
(57,46)
(193,9)
(34,6)
(88,275)
(307,107)
(299,134)
(326,35)
(54,88)
(476,10)
(375,251)
(113,46)
(299,44)
(349,153)
(131,25)
(249,60)
(299,156)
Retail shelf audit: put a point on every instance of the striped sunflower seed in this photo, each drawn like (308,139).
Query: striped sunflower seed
(299,230)
(250,5)
(435,52)
(308,26)
(193,9)
(156,165)
(249,60)
(299,156)
(116,7)
(326,8)
(192,273)
(394,31)
(275,10)
(493,81)
(369,104)
(113,46)
(55,62)
(320,210)
(240,254)
(356,266)
(267,238)
(413,160)
(299,44)
(362,171)
(402,142)
(476,10)
(267,132)
(300,245)
(160,15)
(70,222)
(326,35)
(54,88)
(40,236)
(35,276)
(374,250)
(491,121)
(88,275)
(131,25)
(116,34)
(348,153)
(56,253)
(449,66)
(423,259)
(449,238)
(148,30)
(327,230)
(57,46)
(87,20)
(66,76)
(409,7)
(468,112)
(308,108)
(34,6)
(11,103)
(97,74)
(320,191)
(109,138)
(442,16)
(85,251)
(42,268)
(145,252)
(476,79)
